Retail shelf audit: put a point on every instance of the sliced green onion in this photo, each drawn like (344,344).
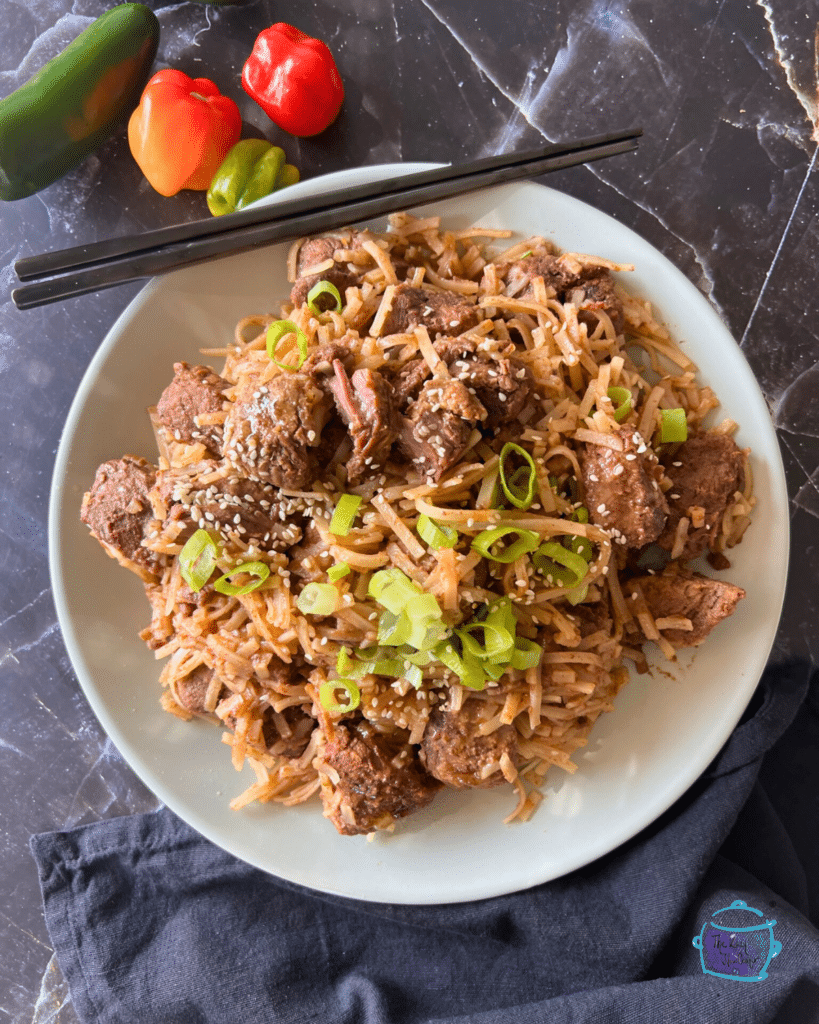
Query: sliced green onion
(580,514)
(345,512)
(527,541)
(394,629)
(414,676)
(578,595)
(336,572)
(467,668)
(394,590)
(621,399)
(527,653)
(501,614)
(436,535)
(323,288)
(673,426)
(520,496)
(565,567)
(426,633)
(523,257)
(494,671)
(280,329)
(197,559)
(393,667)
(327,696)
(351,668)
(257,569)
(318,599)
(581,546)
(497,646)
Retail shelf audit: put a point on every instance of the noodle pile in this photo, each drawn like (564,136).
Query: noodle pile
(573,362)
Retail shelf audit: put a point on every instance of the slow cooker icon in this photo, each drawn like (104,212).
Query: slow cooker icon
(733,944)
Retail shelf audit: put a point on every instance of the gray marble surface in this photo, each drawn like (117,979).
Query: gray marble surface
(725,184)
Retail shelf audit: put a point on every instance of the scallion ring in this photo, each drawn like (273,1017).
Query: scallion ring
(520,496)
(485,542)
(673,426)
(344,515)
(323,288)
(337,571)
(318,599)
(257,569)
(280,329)
(197,559)
(565,568)
(498,642)
(327,696)
(436,535)
(622,402)
(527,654)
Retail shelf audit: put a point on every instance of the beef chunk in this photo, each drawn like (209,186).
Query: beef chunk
(621,494)
(192,689)
(272,429)
(312,253)
(407,381)
(366,404)
(193,391)
(453,751)
(287,733)
(319,364)
(440,422)
(118,513)
(233,505)
(439,312)
(704,601)
(379,780)
(503,385)
(710,471)
(566,277)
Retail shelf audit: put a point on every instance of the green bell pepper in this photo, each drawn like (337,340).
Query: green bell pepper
(252,169)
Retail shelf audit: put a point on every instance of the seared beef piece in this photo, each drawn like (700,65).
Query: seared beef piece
(704,601)
(312,253)
(366,404)
(439,312)
(437,430)
(502,385)
(319,364)
(118,513)
(193,688)
(407,380)
(287,733)
(621,493)
(711,471)
(306,561)
(232,505)
(272,429)
(596,282)
(193,391)
(379,780)
(490,377)
(453,751)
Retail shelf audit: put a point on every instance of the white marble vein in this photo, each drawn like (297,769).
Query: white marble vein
(778,252)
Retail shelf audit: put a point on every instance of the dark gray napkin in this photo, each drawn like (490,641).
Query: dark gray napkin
(152,923)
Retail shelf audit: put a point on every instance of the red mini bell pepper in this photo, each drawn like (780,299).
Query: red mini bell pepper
(181,131)
(294,79)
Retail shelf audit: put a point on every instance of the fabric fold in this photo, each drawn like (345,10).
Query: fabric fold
(150,921)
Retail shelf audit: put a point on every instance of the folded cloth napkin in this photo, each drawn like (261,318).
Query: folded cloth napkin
(152,923)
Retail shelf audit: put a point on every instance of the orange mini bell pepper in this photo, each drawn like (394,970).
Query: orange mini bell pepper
(181,131)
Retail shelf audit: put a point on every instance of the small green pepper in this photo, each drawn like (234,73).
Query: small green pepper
(252,169)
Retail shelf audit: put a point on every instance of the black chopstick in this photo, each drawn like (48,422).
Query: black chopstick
(116,261)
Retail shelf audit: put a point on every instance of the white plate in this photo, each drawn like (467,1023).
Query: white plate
(665,730)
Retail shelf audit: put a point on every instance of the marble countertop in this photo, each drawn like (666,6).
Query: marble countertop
(724,184)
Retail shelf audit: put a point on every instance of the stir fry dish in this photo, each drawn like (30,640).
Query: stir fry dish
(413,530)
